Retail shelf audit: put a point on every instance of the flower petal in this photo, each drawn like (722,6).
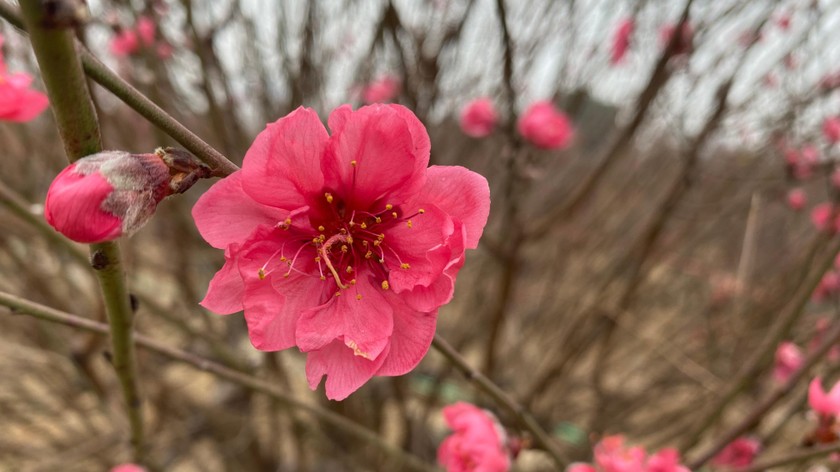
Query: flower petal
(422,246)
(463,194)
(345,371)
(440,291)
(225,214)
(361,317)
(373,157)
(226,290)
(412,336)
(283,166)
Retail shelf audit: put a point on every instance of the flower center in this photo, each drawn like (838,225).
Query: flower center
(345,241)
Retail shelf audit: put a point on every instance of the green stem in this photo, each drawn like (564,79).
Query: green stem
(55,50)
(403,460)
(99,72)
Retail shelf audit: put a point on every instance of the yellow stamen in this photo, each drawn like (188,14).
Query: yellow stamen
(405,265)
(329,197)
(385,285)
(321,229)
(389,206)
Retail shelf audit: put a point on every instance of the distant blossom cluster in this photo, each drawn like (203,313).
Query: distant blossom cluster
(541,124)
(611,454)
(143,36)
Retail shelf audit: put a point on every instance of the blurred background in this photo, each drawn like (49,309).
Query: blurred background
(637,281)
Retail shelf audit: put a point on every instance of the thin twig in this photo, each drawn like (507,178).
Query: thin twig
(502,398)
(21,306)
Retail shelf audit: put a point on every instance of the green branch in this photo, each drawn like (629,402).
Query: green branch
(55,50)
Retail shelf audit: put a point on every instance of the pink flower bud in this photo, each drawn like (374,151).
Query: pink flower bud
(146,30)
(621,40)
(739,453)
(106,195)
(788,360)
(478,118)
(124,43)
(383,90)
(831,129)
(128,468)
(796,199)
(546,126)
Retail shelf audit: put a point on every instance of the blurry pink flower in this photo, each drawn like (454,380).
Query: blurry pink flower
(796,199)
(621,40)
(831,129)
(478,118)
(545,126)
(128,468)
(125,43)
(788,360)
(769,80)
(146,30)
(825,404)
(828,286)
(684,42)
(611,455)
(783,21)
(345,245)
(739,453)
(477,442)
(384,89)
(106,195)
(18,103)
(821,216)
(666,460)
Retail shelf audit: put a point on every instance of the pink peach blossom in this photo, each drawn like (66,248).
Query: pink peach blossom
(665,460)
(18,103)
(106,195)
(789,359)
(796,199)
(344,245)
(783,21)
(580,467)
(739,453)
(128,468)
(382,90)
(828,286)
(477,443)
(826,404)
(125,43)
(684,42)
(146,30)
(621,40)
(831,129)
(821,216)
(611,455)
(479,117)
(545,126)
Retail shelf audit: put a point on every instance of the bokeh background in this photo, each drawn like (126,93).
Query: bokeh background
(638,281)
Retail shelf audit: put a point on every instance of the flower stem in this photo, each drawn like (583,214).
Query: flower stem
(55,50)
(403,460)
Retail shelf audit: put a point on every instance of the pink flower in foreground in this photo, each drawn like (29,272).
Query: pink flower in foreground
(621,40)
(739,453)
(477,442)
(18,103)
(343,245)
(788,359)
(125,43)
(831,129)
(478,118)
(684,42)
(146,30)
(826,404)
(113,193)
(384,89)
(796,199)
(128,468)
(545,126)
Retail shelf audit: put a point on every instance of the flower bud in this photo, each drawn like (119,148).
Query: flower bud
(114,193)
